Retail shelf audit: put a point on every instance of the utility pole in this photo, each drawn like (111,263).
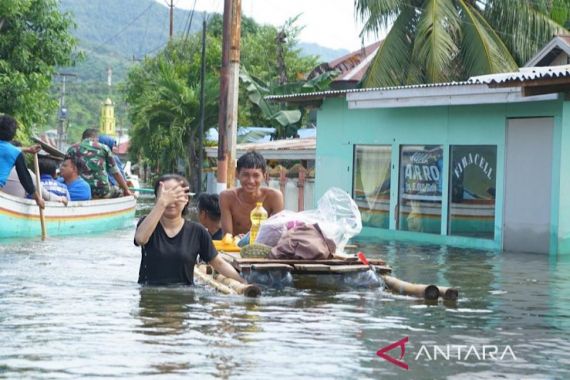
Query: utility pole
(62,113)
(202,106)
(280,40)
(171,6)
(229,86)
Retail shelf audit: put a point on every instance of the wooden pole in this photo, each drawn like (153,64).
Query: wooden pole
(229,91)
(171,29)
(202,107)
(429,292)
(233,91)
(301,186)
(39,192)
(282,180)
(223,100)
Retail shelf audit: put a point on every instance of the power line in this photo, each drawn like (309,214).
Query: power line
(191,16)
(129,24)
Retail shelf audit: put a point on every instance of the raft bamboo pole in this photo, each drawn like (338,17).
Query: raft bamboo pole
(39,192)
(446,293)
(248,290)
(200,272)
(429,292)
(223,284)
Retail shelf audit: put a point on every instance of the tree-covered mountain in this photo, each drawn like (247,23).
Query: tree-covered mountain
(119,34)
(325,54)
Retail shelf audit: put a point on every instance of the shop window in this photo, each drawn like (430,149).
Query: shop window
(472,191)
(419,207)
(371,185)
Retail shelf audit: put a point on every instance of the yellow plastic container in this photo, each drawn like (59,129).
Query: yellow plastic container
(257,216)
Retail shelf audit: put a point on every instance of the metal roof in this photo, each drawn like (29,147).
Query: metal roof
(336,93)
(351,66)
(289,149)
(524,74)
(558,45)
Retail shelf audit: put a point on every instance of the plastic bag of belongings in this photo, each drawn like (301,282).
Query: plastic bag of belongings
(313,234)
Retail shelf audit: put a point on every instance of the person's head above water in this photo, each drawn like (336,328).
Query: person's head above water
(169,181)
(90,133)
(107,140)
(208,205)
(8,127)
(251,160)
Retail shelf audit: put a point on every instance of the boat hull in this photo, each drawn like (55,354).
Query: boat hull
(20,218)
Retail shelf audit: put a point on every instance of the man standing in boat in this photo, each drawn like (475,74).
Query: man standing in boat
(11,157)
(236,204)
(97,163)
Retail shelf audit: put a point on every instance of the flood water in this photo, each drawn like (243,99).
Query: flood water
(71,308)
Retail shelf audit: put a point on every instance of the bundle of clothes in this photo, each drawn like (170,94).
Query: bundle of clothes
(313,234)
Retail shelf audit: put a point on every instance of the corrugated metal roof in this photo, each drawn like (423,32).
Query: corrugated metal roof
(333,93)
(524,74)
(299,149)
(351,66)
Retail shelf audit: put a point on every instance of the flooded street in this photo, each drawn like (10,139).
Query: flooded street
(71,308)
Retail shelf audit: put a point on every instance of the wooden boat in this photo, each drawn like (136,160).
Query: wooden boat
(20,217)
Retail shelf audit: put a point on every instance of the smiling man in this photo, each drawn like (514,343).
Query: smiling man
(236,204)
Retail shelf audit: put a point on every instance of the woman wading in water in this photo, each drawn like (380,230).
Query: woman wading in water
(171,244)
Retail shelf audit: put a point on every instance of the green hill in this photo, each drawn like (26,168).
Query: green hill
(117,34)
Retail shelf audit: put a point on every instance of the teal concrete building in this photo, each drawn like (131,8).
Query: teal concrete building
(476,164)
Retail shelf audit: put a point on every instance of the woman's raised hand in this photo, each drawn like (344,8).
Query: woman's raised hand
(173,194)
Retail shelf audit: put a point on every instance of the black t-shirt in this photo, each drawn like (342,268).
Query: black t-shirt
(217,235)
(167,260)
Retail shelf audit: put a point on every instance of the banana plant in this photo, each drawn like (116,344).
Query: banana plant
(285,121)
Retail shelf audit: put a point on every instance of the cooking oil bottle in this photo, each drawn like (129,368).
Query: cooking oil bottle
(257,216)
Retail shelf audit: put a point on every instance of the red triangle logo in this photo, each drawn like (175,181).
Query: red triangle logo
(402,344)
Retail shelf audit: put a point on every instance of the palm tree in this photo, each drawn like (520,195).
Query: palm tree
(434,41)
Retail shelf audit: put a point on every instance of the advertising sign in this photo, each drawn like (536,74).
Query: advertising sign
(420,172)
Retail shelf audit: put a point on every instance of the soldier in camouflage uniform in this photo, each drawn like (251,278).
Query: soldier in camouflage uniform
(98,164)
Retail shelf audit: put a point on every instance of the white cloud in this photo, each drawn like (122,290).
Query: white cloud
(330,23)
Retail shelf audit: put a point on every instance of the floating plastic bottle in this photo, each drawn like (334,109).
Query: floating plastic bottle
(258,215)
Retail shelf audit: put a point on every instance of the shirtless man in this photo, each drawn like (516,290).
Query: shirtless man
(236,204)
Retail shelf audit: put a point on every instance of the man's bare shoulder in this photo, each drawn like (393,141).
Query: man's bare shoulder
(271,192)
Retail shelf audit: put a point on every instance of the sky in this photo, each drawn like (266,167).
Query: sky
(330,23)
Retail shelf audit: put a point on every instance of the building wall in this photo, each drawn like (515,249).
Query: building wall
(561,59)
(563,207)
(339,129)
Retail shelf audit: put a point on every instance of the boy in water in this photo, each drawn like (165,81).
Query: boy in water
(209,214)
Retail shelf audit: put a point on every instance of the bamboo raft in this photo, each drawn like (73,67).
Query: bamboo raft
(340,265)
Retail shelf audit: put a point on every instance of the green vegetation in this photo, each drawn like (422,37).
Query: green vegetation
(34,39)
(444,40)
(120,35)
(162,91)
(114,34)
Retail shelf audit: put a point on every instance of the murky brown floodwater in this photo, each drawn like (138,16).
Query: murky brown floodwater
(71,308)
